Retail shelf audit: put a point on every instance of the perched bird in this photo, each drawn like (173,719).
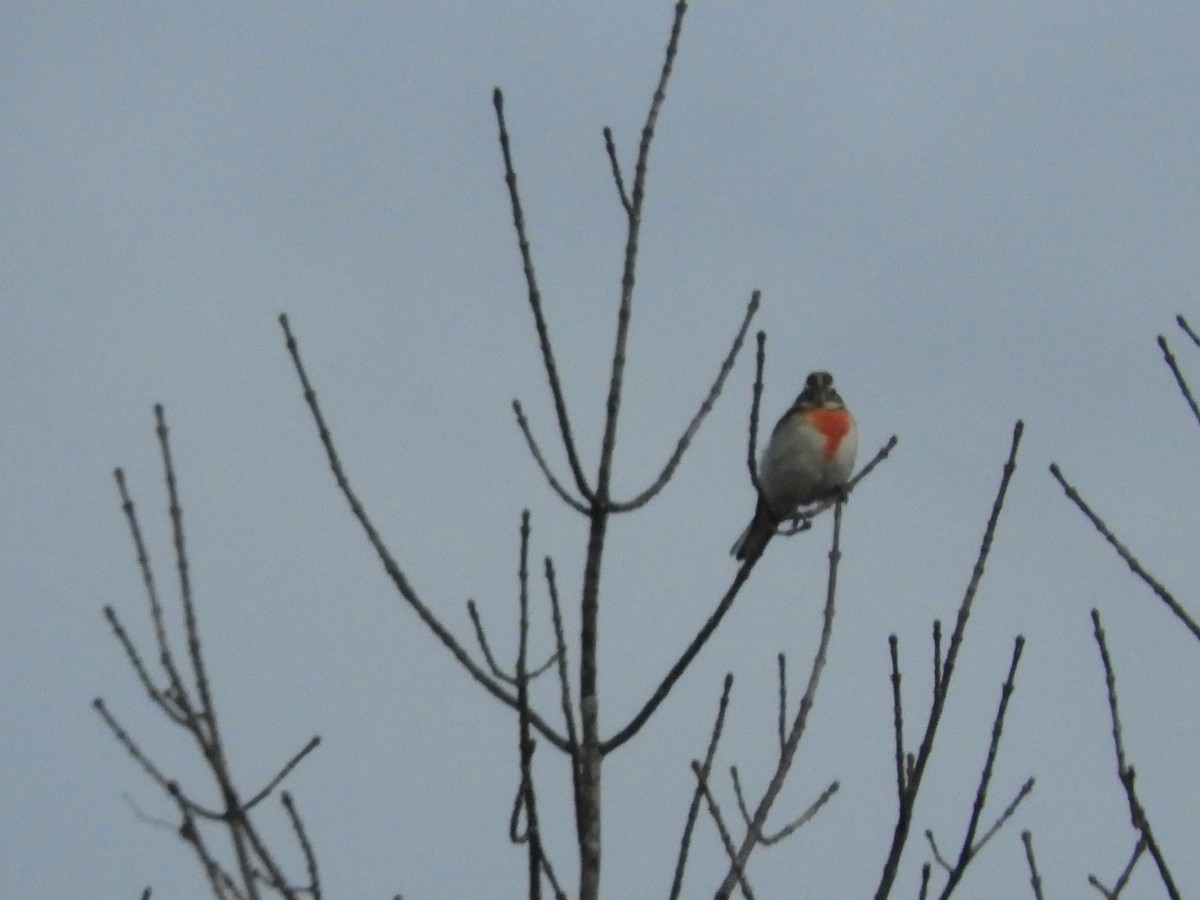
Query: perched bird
(809,457)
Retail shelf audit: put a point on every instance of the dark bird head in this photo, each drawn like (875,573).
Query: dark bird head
(819,391)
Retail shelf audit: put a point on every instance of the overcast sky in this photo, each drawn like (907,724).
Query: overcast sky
(969,213)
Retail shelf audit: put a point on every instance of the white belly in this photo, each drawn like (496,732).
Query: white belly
(795,470)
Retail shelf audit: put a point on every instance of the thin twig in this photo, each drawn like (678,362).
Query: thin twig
(804,818)
(969,848)
(737,792)
(1123,552)
(557,485)
(680,666)
(125,740)
(1035,880)
(206,721)
(937,853)
(1126,873)
(705,408)
(1125,772)
(897,715)
(171,708)
(738,870)
(705,632)
(526,796)
(486,649)
(633,232)
(917,770)
(760,359)
(165,655)
(937,654)
(308,748)
(1025,790)
(803,518)
(1187,329)
(782,701)
(535,303)
(389,563)
(689,825)
(926,871)
(755,829)
(564,687)
(1179,379)
(310,859)
(610,147)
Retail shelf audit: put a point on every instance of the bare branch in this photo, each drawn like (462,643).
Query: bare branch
(694,426)
(739,873)
(937,654)
(1035,880)
(673,674)
(917,770)
(897,716)
(804,818)
(389,563)
(526,796)
(1126,873)
(755,408)
(755,829)
(1179,379)
(535,303)
(1025,790)
(171,707)
(1125,772)
(610,147)
(125,740)
(969,847)
(165,655)
(624,311)
(206,721)
(486,649)
(308,748)
(1187,329)
(694,807)
(310,859)
(566,498)
(1125,554)
(925,872)
(591,749)
(782,702)
(937,854)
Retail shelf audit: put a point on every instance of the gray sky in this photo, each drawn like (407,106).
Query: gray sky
(968,214)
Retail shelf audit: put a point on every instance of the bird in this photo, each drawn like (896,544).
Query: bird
(809,458)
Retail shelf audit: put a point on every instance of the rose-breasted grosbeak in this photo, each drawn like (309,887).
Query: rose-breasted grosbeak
(809,457)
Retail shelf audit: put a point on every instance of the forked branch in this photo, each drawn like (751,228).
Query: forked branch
(535,304)
(1125,772)
(188,703)
(915,769)
(394,572)
(705,408)
(755,828)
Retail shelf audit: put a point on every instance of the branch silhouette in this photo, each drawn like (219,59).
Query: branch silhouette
(915,770)
(188,703)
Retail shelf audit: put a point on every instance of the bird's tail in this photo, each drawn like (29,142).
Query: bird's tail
(754,539)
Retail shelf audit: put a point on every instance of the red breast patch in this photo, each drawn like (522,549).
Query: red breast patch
(834,424)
